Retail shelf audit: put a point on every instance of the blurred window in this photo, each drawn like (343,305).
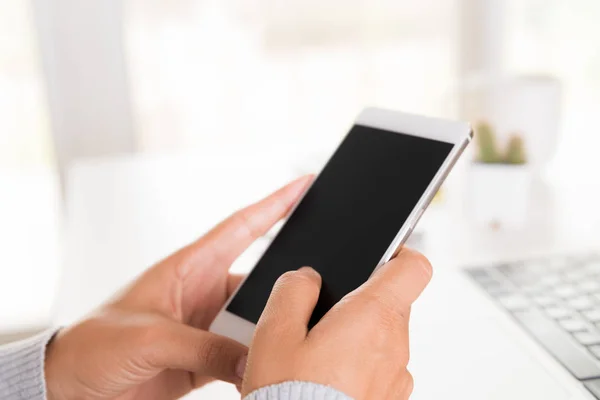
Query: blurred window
(562,38)
(24,126)
(269,72)
(29,194)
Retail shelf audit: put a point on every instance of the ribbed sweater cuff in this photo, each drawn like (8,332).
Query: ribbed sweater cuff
(295,390)
(22,368)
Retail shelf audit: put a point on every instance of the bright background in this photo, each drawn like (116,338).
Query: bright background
(293,71)
(235,93)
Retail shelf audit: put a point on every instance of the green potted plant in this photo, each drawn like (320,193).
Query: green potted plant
(500,179)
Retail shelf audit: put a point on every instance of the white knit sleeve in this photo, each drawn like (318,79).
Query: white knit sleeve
(295,390)
(22,368)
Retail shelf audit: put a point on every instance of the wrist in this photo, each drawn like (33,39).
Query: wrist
(51,371)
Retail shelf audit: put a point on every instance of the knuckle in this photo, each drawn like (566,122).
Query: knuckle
(388,319)
(286,279)
(270,320)
(276,327)
(288,294)
(387,313)
(416,258)
(210,351)
(410,385)
(149,336)
(243,219)
(150,340)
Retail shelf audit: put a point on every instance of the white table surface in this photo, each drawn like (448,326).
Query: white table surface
(30,226)
(124,214)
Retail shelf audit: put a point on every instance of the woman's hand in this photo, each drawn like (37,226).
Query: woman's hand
(360,347)
(151,342)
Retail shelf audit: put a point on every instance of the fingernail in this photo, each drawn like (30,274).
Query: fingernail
(240,369)
(310,272)
(300,184)
(306,177)
(426,267)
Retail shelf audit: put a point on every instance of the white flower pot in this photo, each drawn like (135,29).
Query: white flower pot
(499,194)
(525,105)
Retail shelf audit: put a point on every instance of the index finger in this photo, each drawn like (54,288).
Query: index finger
(377,313)
(230,238)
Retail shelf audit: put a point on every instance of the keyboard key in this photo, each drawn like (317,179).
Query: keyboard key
(480,274)
(595,350)
(489,282)
(565,291)
(573,324)
(587,338)
(559,343)
(589,286)
(518,274)
(559,263)
(544,300)
(535,267)
(533,289)
(592,315)
(514,302)
(524,279)
(551,280)
(593,267)
(513,267)
(581,303)
(593,386)
(498,290)
(575,274)
(557,312)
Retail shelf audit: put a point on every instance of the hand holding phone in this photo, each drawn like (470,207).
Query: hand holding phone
(357,213)
(150,340)
(359,348)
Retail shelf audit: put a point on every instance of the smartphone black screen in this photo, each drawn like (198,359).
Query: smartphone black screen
(348,218)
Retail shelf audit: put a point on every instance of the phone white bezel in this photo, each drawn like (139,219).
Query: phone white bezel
(457,133)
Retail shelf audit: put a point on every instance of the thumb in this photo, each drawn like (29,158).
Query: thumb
(402,280)
(290,306)
(190,349)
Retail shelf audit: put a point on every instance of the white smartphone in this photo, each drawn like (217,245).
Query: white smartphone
(356,214)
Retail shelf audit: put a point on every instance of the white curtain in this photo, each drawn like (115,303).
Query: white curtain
(29,195)
(24,125)
(562,39)
(284,73)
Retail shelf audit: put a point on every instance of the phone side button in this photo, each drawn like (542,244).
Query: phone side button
(418,217)
(414,222)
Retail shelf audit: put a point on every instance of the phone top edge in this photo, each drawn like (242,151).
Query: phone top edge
(448,131)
